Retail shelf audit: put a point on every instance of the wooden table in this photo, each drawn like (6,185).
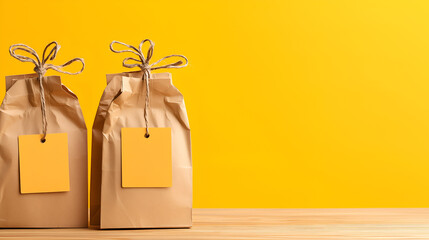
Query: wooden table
(265,224)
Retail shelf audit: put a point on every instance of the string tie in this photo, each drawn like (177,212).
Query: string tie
(41,66)
(146,67)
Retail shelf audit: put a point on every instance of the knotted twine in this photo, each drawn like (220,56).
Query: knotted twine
(40,68)
(146,67)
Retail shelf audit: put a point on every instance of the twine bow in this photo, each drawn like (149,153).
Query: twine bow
(146,67)
(41,67)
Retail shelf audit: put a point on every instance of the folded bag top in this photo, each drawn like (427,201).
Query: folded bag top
(141,117)
(43,180)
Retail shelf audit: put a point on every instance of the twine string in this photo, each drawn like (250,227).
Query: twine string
(41,66)
(146,67)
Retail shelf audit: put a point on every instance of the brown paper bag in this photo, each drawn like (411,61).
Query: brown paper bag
(21,114)
(123,104)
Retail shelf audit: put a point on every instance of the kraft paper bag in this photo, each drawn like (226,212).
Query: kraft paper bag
(42,136)
(144,104)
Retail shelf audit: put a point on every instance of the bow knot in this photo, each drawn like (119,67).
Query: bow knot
(145,68)
(40,63)
(40,70)
(143,62)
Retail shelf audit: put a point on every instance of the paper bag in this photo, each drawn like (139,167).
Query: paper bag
(123,105)
(20,116)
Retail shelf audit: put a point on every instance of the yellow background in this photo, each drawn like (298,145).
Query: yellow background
(291,103)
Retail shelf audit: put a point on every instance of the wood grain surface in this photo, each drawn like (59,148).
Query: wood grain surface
(377,223)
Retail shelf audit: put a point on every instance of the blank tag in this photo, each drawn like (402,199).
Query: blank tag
(146,162)
(44,167)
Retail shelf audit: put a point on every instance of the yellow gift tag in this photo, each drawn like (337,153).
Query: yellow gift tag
(146,162)
(44,167)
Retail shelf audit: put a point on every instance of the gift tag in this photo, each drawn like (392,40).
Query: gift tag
(146,161)
(44,167)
